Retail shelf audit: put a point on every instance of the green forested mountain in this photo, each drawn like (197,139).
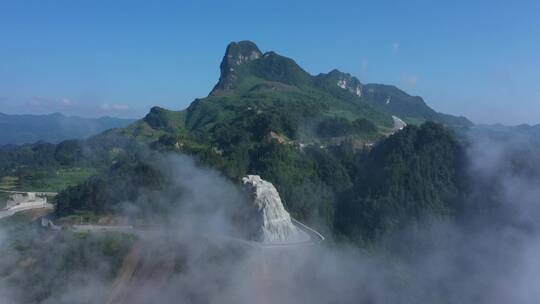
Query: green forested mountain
(327,142)
(415,173)
(266,96)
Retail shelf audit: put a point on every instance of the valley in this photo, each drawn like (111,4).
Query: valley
(269,152)
(273,174)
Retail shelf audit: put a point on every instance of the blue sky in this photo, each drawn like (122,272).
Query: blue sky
(480,59)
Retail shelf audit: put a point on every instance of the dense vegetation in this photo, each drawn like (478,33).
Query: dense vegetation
(361,193)
(335,127)
(123,182)
(309,135)
(53,167)
(414,174)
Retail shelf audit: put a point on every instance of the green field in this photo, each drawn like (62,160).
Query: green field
(53,180)
(8,182)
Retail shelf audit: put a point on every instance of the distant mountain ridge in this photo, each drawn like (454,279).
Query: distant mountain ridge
(53,128)
(503,132)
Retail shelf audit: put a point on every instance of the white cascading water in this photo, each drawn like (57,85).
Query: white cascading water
(274,223)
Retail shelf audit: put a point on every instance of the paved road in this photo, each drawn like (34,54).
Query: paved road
(26,192)
(309,235)
(103,228)
(398,124)
(24,207)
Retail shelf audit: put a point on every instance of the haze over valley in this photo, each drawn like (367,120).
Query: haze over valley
(277,184)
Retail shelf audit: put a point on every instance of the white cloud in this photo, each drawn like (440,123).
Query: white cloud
(113,107)
(66,102)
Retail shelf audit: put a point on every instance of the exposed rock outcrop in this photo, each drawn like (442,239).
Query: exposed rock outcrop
(236,54)
(273,222)
(347,82)
(280,139)
(398,123)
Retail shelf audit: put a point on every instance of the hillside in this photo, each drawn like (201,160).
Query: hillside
(316,138)
(53,128)
(311,136)
(332,151)
(266,95)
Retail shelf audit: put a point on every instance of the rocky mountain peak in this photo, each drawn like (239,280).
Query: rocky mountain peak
(346,81)
(273,222)
(236,54)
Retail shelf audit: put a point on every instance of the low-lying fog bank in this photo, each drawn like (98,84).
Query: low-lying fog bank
(486,255)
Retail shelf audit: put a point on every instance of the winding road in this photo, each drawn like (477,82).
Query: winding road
(309,235)
(26,205)
(398,124)
(36,192)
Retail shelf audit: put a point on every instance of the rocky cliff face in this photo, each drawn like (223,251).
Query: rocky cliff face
(345,81)
(273,222)
(236,54)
